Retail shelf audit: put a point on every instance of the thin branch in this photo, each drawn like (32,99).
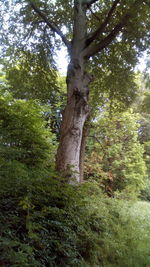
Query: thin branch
(146,2)
(104,24)
(51,25)
(99,142)
(92,50)
(94,14)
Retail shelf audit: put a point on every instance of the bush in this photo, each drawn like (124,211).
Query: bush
(54,224)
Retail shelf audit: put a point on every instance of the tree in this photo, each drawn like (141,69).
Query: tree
(32,77)
(89,29)
(143,102)
(115,155)
(27,148)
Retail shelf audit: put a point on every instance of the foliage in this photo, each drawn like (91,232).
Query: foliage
(46,222)
(55,224)
(113,70)
(146,103)
(117,161)
(26,147)
(141,104)
(145,194)
(30,76)
(61,12)
(144,137)
(115,80)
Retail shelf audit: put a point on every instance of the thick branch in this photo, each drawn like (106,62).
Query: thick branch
(51,25)
(92,50)
(89,2)
(104,24)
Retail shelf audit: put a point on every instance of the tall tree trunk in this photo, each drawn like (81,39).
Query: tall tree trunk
(76,111)
(74,117)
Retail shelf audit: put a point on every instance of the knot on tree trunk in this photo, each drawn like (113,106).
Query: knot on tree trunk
(88,78)
(75,131)
(81,98)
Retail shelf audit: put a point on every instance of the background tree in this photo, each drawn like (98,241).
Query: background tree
(26,146)
(115,155)
(30,76)
(144,130)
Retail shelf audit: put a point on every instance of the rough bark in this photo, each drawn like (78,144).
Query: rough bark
(83,148)
(74,117)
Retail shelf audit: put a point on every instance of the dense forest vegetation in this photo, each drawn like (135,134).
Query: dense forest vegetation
(74,150)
